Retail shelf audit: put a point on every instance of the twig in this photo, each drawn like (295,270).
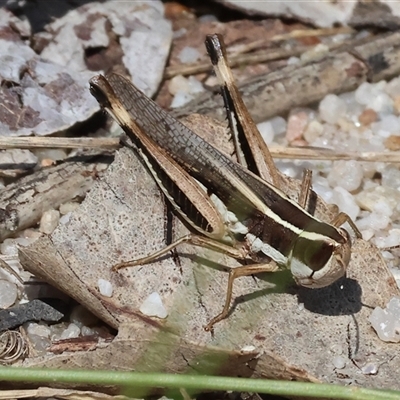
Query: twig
(316,153)
(235,60)
(300,153)
(57,142)
(295,34)
(7,268)
(237,56)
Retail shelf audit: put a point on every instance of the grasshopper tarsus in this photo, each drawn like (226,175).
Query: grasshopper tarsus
(342,218)
(235,273)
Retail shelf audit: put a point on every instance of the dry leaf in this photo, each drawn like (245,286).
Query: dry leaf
(296,332)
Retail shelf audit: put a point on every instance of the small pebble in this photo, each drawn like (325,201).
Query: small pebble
(345,201)
(68,207)
(367,117)
(267,131)
(49,221)
(393,88)
(153,306)
(279,125)
(33,328)
(189,55)
(366,233)
(65,219)
(373,221)
(370,369)
(56,330)
(383,197)
(184,89)
(346,174)
(396,104)
(10,246)
(8,294)
(392,143)
(30,234)
(73,331)
(391,179)
(247,349)
(178,84)
(39,343)
(386,322)
(373,96)
(105,287)
(339,362)
(86,331)
(296,126)
(331,108)
(313,131)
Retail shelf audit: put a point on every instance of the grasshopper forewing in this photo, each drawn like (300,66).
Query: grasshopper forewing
(242,212)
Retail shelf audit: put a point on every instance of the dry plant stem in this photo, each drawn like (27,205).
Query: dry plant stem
(295,34)
(23,203)
(309,153)
(7,268)
(296,153)
(32,142)
(343,70)
(235,60)
(238,58)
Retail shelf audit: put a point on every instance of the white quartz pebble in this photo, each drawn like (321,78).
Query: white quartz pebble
(267,131)
(73,331)
(105,287)
(8,293)
(49,221)
(331,108)
(346,174)
(153,306)
(386,322)
(345,201)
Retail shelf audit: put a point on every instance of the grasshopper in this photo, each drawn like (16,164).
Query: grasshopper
(236,208)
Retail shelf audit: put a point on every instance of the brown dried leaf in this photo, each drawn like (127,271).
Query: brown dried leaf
(295,332)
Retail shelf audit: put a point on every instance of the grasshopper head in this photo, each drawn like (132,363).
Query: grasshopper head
(318,263)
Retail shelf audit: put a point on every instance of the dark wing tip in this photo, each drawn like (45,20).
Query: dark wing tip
(100,89)
(215,47)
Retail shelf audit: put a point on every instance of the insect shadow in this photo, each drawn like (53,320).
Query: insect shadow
(343,297)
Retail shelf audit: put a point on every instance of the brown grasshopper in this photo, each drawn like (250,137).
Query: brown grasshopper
(234,208)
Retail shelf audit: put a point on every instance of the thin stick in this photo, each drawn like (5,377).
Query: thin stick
(57,142)
(237,56)
(7,268)
(295,34)
(297,153)
(309,153)
(235,60)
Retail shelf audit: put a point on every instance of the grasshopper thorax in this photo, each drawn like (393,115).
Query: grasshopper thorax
(318,263)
